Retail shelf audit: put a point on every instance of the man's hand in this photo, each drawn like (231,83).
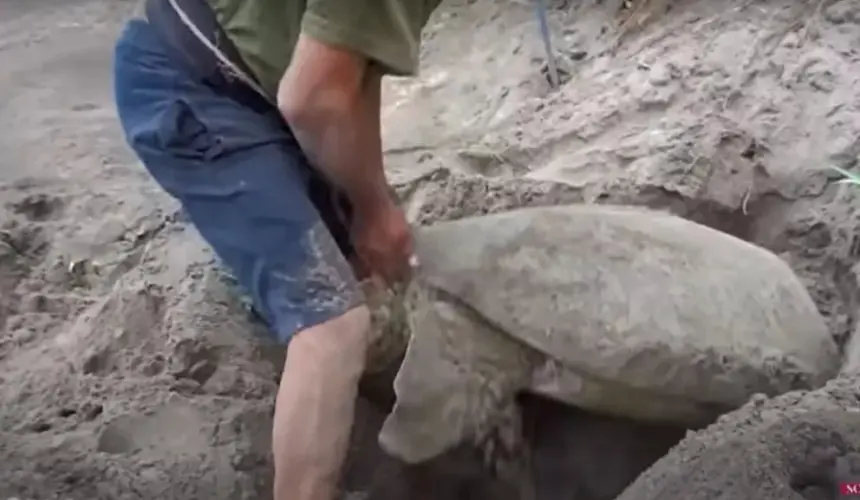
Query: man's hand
(383,242)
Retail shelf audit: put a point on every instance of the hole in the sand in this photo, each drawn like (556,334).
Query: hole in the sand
(821,463)
(91,411)
(24,240)
(114,441)
(372,474)
(38,207)
(571,448)
(94,363)
(40,427)
(67,412)
(734,222)
(815,482)
(153,366)
(578,55)
(819,486)
(86,106)
(193,360)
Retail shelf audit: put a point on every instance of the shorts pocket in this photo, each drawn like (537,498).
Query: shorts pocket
(180,133)
(183,153)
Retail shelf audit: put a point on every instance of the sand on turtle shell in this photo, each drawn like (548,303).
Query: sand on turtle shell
(128,367)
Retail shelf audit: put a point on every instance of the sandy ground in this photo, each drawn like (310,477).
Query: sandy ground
(128,367)
(799,446)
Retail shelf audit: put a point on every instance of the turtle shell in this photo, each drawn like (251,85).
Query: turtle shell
(619,310)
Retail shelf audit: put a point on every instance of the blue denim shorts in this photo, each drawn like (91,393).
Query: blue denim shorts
(243,181)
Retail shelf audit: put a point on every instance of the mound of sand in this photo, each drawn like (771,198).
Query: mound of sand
(799,446)
(128,366)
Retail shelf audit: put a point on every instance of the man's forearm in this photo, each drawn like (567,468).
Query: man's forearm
(341,136)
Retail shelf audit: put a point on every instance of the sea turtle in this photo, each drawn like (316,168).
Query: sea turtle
(623,311)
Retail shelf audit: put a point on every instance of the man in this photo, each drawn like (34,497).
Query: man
(205,90)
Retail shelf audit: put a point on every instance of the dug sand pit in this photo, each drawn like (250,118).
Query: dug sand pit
(128,367)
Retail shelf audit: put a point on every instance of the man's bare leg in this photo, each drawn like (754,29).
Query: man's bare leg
(315,406)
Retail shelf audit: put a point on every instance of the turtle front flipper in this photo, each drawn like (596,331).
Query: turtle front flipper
(458,378)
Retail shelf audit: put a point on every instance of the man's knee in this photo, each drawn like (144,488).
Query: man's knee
(339,344)
(351,328)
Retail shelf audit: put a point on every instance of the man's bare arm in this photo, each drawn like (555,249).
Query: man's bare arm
(331,99)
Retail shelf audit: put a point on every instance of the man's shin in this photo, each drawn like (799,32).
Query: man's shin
(315,406)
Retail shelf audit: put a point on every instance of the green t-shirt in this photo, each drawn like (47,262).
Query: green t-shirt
(265,32)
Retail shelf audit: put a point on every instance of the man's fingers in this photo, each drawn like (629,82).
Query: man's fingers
(394,270)
(390,267)
(378,282)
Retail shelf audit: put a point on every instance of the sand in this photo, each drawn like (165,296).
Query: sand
(799,446)
(129,367)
